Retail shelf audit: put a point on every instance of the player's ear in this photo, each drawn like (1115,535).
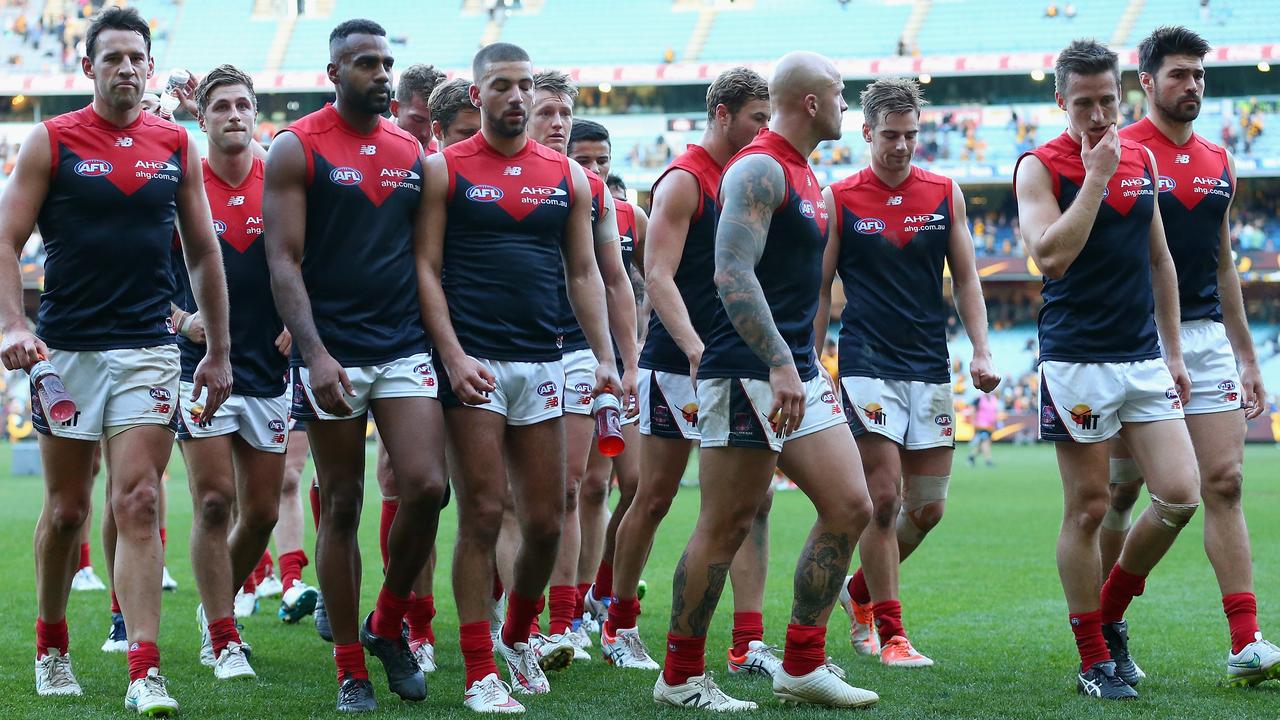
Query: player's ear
(866,133)
(1146,81)
(1062,102)
(332,71)
(151,67)
(86,66)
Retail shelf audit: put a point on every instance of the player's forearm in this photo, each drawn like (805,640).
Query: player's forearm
(621,303)
(1234,319)
(435,317)
(209,286)
(664,297)
(822,320)
(1164,286)
(294,308)
(973,312)
(1062,241)
(587,298)
(12,316)
(744,303)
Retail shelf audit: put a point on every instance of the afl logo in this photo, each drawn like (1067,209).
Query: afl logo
(93,168)
(346,176)
(582,389)
(1171,393)
(869,226)
(829,397)
(1167,183)
(943,420)
(276,426)
(1227,386)
(423,369)
(484,193)
(161,393)
(219,227)
(547,389)
(806,208)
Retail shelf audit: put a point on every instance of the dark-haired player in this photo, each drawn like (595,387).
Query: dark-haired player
(1197,181)
(343,186)
(107,185)
(1086,202)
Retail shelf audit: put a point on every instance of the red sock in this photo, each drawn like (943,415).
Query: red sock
(51,635)
(1242,615)
(291,564)
(265,565)
(221,632)
(858,588)
(477,650)
(350,661)
(1117,592)
(623,613)
(686,658)
(164,539)
(806,649)
(388,614)
(421,611)
(1088,630)
(115,604)
(747,626)
(389,509)
(497,586)
(888,614)
(142,657)
(563,600)
(604,580)
(84,556)
(314,494)
(580,602)
(250,585)
(534,627)
(521,613)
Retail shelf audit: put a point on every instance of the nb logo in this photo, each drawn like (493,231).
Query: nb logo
(368,149)
(124,142)
(894,200)
(235,200)
(1182,159)
(512,170)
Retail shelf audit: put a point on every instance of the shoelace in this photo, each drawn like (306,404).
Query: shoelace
(349,692)
(495,691)
(712,690)
(59,671)
(831,667)
(635,646)
(770,650)
(155,685)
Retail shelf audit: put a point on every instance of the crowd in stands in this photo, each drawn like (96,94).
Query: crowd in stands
(47,34)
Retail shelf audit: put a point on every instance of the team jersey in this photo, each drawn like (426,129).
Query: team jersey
(789,270)
(363,193)
(893,246)
(257,367)
(1102,309)
(572,338)
(626,231)
(107,223)
(503,269)
(1195,191)
(693,276)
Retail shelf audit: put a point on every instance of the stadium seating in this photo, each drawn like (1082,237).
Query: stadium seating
(187,42)
(636,31)
(860,28)
(444,38)
(997,26)
(1234,22)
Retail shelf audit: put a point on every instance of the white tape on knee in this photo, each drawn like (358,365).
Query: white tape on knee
(1124,471)
(1118,520)
(919,491)
(907,531)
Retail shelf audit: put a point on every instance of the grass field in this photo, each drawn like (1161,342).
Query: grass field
(982,598)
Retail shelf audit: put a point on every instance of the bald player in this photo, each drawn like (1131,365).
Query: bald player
(763,400)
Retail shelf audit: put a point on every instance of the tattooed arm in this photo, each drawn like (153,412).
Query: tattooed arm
(752,188)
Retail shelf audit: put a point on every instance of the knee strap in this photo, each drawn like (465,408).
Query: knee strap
(919,491)
(1173,515)
(1124,471)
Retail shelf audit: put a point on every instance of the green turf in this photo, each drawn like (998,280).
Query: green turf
(982,598)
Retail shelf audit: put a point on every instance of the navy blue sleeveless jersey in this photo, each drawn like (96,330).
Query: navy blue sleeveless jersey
(1195,191)
(572,338)
(626,231)
(503,269)
(108,223)
(1102,309)
(257,367)
(893,246)
(697,266)
(363,193)
(789,271)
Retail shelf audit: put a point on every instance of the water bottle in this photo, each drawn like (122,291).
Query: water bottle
(607,409)
(169,98)
(55,400)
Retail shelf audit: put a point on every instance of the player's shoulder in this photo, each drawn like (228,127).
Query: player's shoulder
(465,148)
(543,152)
(314,122)
(69,120)
(850,182)
(1208,145)
(928,177)
(1139,132)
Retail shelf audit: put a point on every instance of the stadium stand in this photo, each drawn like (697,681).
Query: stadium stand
(860,28)
(445,38)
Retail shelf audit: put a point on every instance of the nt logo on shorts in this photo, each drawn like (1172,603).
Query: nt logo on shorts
(1084,416)
(874,413)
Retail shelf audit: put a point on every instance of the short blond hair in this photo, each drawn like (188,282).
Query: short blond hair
(449,99)
(554,81)
(890,96)
(734,88)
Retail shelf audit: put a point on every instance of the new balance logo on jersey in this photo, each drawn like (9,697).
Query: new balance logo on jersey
(124,142)
(894,200)
(512,170)
(1084,416)
(1182,159)
(235,200)
(368,149)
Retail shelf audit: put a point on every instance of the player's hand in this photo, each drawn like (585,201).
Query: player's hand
(21,349)
(607,381)
(187,96)
(787,411)
(1181,379)
(213,375)
(984,375)
(330,385)
(471,380)
(695,360)
(194,328)
(1255,396)
(1101,160)
(284,342)
(631,392)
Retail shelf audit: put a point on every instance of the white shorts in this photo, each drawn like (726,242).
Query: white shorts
(1215,381)
(411,376)
(524,393)
(915,415)
(1089,402)
(668,405)
(579,378)
(113,388)
(733,412)
(263,422)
